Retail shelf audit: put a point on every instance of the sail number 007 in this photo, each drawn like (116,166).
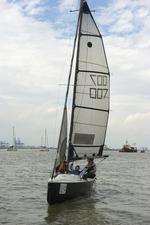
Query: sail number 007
(100,90)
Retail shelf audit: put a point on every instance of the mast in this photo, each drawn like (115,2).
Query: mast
(70,148)
(66,98)
(14,138)
(45,137)
(72,58)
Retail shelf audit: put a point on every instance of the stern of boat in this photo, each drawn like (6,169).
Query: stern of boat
(65,187)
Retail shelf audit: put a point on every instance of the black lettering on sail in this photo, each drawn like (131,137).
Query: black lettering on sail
(99,90)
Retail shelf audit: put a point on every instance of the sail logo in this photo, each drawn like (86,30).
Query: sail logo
(100,90)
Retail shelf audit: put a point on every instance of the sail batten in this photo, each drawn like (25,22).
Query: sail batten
(91,71)
(90,109)
(91,35)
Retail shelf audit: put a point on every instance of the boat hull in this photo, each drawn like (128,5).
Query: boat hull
(61,191)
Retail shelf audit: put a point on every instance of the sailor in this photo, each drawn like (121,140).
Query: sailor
(71,167)
(62,168)
(77,170)
(90,169)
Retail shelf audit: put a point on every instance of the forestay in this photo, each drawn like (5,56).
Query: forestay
(91,90)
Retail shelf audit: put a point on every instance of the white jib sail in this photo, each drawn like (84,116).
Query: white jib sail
(62,143)
(92,89)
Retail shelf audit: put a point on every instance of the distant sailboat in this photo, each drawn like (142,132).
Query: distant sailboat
(44,147)
(90,110)
(13,147)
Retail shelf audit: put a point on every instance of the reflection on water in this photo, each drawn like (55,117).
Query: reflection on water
(121,194)
(80,211)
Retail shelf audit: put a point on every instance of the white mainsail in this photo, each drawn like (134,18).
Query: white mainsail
(90,109)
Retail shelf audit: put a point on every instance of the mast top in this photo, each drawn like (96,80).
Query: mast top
(84,7)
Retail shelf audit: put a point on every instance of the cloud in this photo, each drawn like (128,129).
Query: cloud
(32,65)
(126,29)
(67,5)
(138,118)
(35,57)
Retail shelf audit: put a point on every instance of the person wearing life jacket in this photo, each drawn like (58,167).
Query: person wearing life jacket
(62,168)
(90,169)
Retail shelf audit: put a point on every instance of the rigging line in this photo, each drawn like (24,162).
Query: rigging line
(77,114)
(68,85)
(101,152)
(76,67)
(71,63)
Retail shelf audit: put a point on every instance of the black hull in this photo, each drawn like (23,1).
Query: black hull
(60,192)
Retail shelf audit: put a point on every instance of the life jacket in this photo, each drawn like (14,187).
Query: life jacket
(62,168)
(91,168)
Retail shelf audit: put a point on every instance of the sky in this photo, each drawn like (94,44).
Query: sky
(36,39)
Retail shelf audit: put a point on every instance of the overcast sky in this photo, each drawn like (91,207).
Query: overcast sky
(36,38)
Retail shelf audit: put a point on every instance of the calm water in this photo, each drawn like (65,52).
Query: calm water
(121,196)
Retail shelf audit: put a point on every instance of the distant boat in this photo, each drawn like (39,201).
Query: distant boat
(13,147)
(89,113)
(143,151)
(44,147)
(128,148)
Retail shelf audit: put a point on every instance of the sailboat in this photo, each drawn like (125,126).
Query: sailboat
(13,147)
(45,146)
(90,110)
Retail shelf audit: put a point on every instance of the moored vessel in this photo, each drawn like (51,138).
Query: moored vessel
(128,148)
(13,147)
(44,147)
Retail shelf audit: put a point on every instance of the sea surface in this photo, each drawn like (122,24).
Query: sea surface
(121,194)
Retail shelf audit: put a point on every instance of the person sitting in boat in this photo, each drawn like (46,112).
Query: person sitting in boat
(85,156)
(77,170)
(93,155)
(90,169)
(62,168)
(71,167)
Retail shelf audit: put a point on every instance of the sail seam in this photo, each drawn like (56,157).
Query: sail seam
(91,35)
(85,93)
(87,124)
(91,71)
(96,64)
(83,107)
